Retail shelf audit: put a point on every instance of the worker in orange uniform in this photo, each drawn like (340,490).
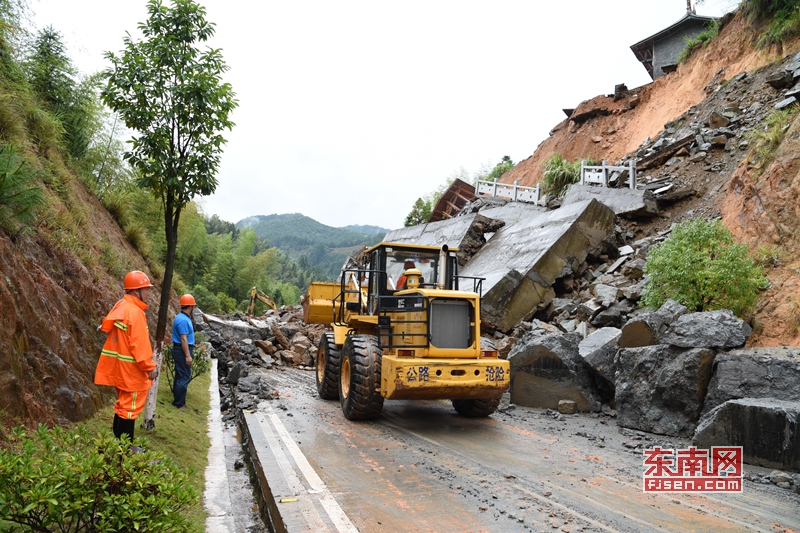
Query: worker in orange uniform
(401,282)
(126,362)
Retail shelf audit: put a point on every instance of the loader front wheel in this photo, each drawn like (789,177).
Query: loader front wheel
(329,360)
(476,408)
(360,378)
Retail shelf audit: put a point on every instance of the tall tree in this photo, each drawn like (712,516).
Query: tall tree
(170,92)
(53,78)
(420,213)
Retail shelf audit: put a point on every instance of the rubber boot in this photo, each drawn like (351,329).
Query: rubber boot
(123,426)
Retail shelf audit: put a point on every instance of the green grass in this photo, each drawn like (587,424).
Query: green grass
(181,435)
(767,137)
(778,20)
(702,39)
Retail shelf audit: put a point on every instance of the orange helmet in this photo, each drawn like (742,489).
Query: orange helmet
(136,280)
(187,299)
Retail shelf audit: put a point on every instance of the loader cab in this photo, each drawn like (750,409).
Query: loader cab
(372,286)
(388,263)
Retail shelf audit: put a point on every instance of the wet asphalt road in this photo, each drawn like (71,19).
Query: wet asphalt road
(422,468)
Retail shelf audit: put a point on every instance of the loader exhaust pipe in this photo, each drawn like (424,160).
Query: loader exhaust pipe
(443,266)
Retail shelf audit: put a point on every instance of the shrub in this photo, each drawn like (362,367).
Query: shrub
(701,267)
(137,236)
(19,196)
(768,137)
(69,481)
(118,205)
(780,19)
(559,174)
(768,255)
(201,362)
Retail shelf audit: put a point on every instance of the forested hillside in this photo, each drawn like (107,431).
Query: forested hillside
(312,244)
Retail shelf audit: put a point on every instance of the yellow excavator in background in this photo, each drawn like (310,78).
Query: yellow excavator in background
(257,294)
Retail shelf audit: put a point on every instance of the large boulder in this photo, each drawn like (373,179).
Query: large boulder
(661,389)
(598,350)
(548,368)
(646,329)
(755,373)
(710,329)
(766,429)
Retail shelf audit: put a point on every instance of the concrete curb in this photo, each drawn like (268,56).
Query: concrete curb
(216,497)
(296,499)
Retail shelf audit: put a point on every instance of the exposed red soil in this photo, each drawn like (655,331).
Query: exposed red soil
(763,211)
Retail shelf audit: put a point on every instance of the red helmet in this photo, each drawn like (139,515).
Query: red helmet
(187,299)
(136,280)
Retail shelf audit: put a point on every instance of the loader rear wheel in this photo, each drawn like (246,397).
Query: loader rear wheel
(360,378)
(476,408)
(329,360)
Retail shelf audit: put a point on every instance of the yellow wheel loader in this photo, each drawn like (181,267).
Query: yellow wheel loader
(401,328)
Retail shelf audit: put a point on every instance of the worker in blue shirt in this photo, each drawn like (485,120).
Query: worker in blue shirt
(183,350)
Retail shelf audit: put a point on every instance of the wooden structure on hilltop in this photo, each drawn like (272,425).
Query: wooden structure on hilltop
(453,200)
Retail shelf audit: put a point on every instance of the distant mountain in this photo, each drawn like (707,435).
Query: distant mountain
(300,236)
(368,230)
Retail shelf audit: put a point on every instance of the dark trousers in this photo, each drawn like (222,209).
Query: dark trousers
(123,426)
(183,375)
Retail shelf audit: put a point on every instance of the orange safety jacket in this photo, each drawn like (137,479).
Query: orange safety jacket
(127,355)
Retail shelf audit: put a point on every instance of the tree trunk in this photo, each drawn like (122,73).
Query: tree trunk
(171,229)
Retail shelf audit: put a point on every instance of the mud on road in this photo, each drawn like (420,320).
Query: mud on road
(422,468)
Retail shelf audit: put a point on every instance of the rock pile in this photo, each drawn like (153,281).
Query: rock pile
(277,340)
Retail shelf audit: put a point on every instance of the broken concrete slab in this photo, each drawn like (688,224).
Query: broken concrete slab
(237,329)
(512,212)
(766,429)
(548,368)
(661,389)
(521,261)
(632,202)
(464,232)
(664,153)
(755,373)
(450,232)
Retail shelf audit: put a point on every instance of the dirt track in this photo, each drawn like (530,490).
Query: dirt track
(420,467)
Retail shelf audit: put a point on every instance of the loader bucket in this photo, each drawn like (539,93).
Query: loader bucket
(318,302)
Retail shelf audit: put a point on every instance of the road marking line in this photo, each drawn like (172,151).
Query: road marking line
(306,506)
(329,503)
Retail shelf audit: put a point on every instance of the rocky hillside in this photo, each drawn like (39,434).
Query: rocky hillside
(59,279)
(691,130)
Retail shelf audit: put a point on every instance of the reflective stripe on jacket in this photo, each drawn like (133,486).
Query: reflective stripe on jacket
(127,355)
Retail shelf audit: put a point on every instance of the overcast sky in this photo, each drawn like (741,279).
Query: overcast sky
(349,111)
